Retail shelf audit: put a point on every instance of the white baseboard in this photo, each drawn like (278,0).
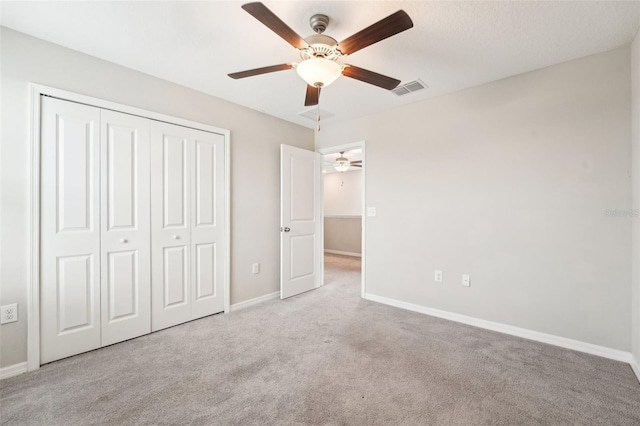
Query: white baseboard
(550,339)
(635,367)
(254,301)
(13,370)
(344,253)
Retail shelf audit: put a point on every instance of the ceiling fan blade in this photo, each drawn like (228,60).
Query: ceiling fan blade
(370,77)
(258,71)
(387,27)
(312,97)
(356,161)
(356,165)
(275,24)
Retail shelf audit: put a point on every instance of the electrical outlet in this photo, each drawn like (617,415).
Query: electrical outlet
(8,313)
(256,268)
(437,276)
(466,280)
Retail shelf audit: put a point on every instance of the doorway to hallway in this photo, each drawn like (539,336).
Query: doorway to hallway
(343,208)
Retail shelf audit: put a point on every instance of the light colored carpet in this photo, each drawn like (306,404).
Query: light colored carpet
(325,357)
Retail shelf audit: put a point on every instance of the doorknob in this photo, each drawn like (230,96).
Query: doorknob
(123,240)
(176,237)
(287,229)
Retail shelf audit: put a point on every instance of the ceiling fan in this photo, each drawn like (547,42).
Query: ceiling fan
(342,164)
(320,53)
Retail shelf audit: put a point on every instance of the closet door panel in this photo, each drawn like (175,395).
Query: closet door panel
(75,288)
(122,287)
(170,225)
(175,276)
(207,233)
(205,271)
(70,229)
(126,252)
(174,181)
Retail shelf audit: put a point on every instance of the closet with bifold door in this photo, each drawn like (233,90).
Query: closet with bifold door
(132,226)
(187,197)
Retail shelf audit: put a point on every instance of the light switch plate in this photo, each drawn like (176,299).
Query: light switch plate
(371,211)
(256,268)
(466,280)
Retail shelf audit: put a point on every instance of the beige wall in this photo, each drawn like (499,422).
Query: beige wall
(635,262)
(343,193)
(343,234)
(343,198)
(509,182)
(255,145)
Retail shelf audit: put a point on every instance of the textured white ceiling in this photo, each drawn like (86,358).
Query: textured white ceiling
(453,45)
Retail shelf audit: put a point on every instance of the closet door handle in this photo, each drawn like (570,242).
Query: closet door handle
(123,240)
(176,237)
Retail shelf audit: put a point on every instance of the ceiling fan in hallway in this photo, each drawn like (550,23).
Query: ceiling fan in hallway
(320,53)
(342,164)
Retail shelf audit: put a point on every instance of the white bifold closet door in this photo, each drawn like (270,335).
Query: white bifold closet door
(132,226)
(95,228)
(125,228)
(187,224)
(70,229)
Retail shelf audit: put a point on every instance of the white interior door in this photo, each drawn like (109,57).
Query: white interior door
(126,273)
(188,251)
(70,229)
(301,220)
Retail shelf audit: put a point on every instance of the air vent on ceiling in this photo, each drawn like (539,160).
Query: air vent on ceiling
(401,90)
(410,87)
(312,114)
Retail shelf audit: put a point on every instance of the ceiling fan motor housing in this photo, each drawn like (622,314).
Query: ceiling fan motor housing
(319,23)
(321,46)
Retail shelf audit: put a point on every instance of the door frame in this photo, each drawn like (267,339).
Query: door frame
(332,150)
(33,284)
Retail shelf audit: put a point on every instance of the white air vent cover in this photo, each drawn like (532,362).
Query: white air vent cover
(401,90)
(412,86)
(312,114)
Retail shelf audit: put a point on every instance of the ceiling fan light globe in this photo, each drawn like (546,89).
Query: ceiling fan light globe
(319,72)
(341,166)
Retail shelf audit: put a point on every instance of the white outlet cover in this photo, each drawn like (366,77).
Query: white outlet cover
(8,313)
(437,276)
